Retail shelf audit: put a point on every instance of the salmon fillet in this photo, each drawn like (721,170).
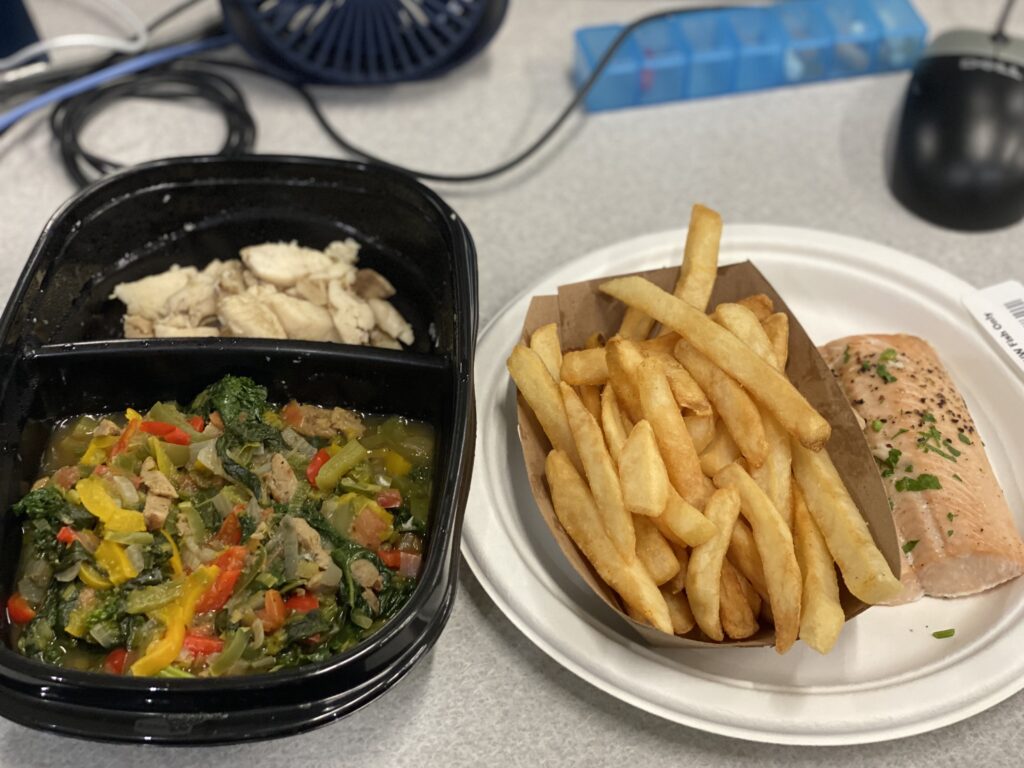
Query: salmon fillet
(955,528)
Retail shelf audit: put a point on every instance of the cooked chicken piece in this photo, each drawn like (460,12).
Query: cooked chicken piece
(366,574)
(148,296)
(353,317)
(231,280)
(156,510)
(372,600)
(156,481)
(347,422)
(323,422)
(247,315)
(283,264)
(313,290)
(301,319)
(137,327)
(309,540)
(391,321)
(167,331)
(197,301)
(106,428)
(371,284)
(40,483)
(346,250)
(281,480)
(380,339)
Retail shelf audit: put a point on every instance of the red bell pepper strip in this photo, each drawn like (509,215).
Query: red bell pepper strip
(392,558)
(273,613)
(201,645)
(18,610)
(66,535)
(126,436)
(197,423)
(315,463)
(114,663)
(301,603)
(231,529)
(168,432)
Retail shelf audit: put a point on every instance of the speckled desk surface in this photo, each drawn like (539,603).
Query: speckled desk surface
(810,156)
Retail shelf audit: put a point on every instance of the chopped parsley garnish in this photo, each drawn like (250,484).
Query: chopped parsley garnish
(866,365)
(846,354)
(932,441)
(876,425)
(908,546)
(950,516)
(883,373)
(923,482)
(888,464)
(957,478)
(887,355)
(909,468)
(900,432)
(942,634)
(928,416)
(949,532)
(964,438)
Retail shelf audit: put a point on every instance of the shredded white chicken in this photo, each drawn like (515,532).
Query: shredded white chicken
(276,290)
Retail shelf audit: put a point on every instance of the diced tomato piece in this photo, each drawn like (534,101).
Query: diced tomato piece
(292,415)
(390,498)
(126,435)
(368,529)
(273,613)
(158,428)
(18,610)
(301,603)
(315,463)
(219,593)
(66,535)
(392,558)
(231,529)
(114,663)
(232,559)
(197,423)
(201,645)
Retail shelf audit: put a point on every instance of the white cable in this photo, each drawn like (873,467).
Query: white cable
(134,44)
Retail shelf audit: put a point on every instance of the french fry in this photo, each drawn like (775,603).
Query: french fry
(775,476)
(683,524)
(700,258)
(642,473)
(678,582)
(704,570)
(732,404)
(601,474)
(865,570)
(720,452)
(764,383)
(577,512)
(654,552)
(611,422)
(678,610)
(744,325)
(775,545)
(777,328)
(738,619)
(635,325)
(822,617)
(701,429)
(685,390)
(541,393)
(753,599)
(544,342)
(743,554)
(674,441)
(624,359)
(590,394)
(659,344)
(585,367)
(759,304)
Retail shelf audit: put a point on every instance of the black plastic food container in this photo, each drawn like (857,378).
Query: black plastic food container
(57,359)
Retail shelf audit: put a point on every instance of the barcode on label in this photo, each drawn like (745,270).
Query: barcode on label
(1016,308)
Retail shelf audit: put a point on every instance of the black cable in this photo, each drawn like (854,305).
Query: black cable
(1000,33)
(176,82)
(70,116)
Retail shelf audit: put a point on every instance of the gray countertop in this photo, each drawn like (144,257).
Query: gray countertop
(809,156)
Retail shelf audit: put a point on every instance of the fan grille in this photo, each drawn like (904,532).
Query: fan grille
(355,41)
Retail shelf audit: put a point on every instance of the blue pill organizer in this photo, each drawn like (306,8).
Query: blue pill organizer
(709,53)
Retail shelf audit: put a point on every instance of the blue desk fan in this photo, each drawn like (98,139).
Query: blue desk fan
(362,42)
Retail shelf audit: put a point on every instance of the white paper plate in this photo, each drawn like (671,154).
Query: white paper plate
(887,677)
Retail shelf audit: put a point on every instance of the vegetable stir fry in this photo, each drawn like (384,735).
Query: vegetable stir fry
(229,537)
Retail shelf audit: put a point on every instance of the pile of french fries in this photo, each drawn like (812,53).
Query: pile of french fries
(689,470)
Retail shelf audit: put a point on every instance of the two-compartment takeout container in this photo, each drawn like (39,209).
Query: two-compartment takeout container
(581,309)
(61,354)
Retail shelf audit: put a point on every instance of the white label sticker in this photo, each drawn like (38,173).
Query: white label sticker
(999,310)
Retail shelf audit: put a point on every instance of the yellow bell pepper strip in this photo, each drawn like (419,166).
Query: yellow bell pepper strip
(111,556)
(176,617)
(163,461)
(396,464)
(95,498)
(93,578)
(98,450)
(176,566)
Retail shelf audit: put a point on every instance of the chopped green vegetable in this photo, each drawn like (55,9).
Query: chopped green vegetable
(846,354)
(883,373)
(923,482)
(957,478)
(942,634)
(888,464)
(928,416)
(964,438)
(887,354)
(876,425)
(908,546)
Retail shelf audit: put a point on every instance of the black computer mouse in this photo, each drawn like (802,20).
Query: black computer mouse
(958,155)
